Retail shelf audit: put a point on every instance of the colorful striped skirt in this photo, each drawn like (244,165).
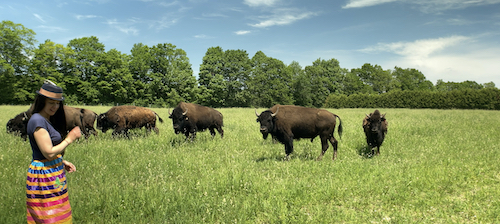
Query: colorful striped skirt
(46,192)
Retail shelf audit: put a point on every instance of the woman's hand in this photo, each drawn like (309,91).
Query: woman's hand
(68,166)
(74,134)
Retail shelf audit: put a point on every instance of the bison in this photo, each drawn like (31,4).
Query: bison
(18,124)
(74,117)
(375,127)
(288,122)
(189,118)
(124,118)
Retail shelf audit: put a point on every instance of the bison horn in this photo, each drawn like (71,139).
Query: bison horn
(256,112)
(383,115)
(275,112)
(169,112)
(25,115)
(185,112)
(367,115)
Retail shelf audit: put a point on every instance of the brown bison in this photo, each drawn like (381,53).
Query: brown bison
(189,118)
(375,127)
(124,118)
(287,122)
(83,118)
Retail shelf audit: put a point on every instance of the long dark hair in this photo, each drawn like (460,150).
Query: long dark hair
(58,120)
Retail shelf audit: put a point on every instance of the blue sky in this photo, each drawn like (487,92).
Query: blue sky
(452,40)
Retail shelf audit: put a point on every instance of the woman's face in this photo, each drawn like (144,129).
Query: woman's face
(51,106)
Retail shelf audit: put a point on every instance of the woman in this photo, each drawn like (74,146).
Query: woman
(46,189)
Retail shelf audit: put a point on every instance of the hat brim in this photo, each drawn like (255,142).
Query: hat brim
(52,98)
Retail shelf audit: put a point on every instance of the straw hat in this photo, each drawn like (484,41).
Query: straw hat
(51,91)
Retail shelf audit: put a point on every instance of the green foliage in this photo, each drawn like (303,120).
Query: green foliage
(456,99)
(326,78)
(430,170)
(301,85)
(270,82)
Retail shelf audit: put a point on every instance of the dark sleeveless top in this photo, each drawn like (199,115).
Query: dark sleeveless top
(36,121)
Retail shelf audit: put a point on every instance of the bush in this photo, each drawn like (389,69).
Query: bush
(488,99)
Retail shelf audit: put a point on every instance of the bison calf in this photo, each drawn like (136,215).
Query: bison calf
(375,127)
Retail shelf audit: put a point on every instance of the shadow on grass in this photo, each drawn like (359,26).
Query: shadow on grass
(365,152)
(304,156)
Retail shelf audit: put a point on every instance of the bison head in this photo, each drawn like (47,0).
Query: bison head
(103,123)
(375,122)
(266,120)
(179,119)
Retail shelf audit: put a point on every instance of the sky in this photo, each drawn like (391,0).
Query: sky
(451,40)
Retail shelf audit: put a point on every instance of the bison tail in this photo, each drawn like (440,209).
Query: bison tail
(159,118)
(340,127)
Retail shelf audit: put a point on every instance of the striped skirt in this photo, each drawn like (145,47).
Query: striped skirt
(46,192)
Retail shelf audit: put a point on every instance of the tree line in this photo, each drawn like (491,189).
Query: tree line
(161,75)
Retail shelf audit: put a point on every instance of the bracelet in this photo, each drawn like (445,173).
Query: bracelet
(67,141)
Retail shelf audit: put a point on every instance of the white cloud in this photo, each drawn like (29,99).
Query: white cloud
(242,32)
(122,27)
(365,3)
(202,36)
(455,58)
(418,48)
(256,3)
(51,29)
(81,17)
(282,17)
(424,5)
(39,17)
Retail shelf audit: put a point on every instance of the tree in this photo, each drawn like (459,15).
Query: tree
(352,84)
(210,78)
(16,49)
(270,82)
(173,79)
(449,86)
(411,79)
(236,68)
(380,80)
(326,79)
(115,82)
(301,85)
(87,57)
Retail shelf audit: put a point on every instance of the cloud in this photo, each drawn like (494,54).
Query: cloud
(51,29)
(39,17)
(454,58)
(419,48)
(202,36)
(82,17)
(427,6)
(257,3)
(282,17)
(365,3)
(122,27)
(242,32)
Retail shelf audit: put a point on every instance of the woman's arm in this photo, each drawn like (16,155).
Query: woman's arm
(44,142)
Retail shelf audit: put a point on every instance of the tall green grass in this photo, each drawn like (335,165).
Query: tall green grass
(436,166)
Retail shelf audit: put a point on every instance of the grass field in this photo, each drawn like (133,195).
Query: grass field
(436,166)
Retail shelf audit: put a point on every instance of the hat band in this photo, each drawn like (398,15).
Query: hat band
(50,94)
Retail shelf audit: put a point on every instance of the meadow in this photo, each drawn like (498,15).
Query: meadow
(435,166)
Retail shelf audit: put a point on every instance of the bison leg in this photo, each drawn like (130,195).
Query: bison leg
(324,147)
(288,148)
(212,132)
(334,143)
(221,132)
